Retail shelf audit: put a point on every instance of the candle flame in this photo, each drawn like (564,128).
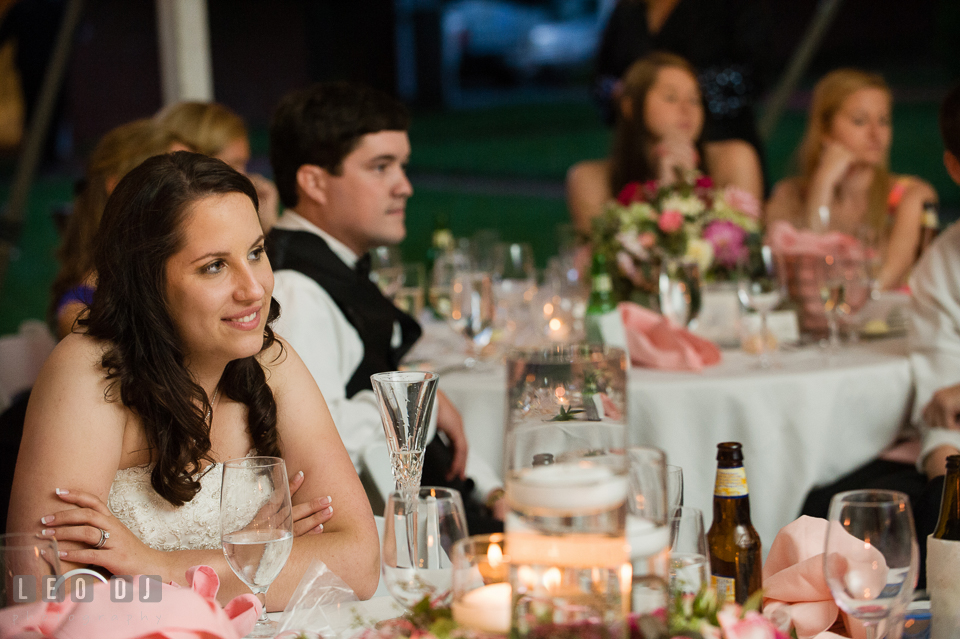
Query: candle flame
(494,555)
(526,577)
(551,579)
(548,309)
(626,578)
(555,324)
(560,391)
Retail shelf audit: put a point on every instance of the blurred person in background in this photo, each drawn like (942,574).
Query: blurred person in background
(215,130)
(726,41)
(658,131)
(844,182)
(117,153)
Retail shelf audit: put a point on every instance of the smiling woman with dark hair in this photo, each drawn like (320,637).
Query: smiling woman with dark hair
(175,370)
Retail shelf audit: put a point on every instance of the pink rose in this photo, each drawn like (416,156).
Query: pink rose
(670,221)
(742,201)
(753,625)
(630,193)
(647,239)
(727,240)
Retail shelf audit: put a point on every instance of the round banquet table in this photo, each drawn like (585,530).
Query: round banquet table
(802,423)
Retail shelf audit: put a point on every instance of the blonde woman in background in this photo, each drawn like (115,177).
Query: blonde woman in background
(658,126)
(844,182)
(215,130)
(118,152)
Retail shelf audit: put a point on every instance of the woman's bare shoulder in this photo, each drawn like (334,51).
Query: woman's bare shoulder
(589,171)
(917,188)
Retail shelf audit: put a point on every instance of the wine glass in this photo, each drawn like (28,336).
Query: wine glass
(689,556)
(832,287)
(27,563)
(386,270)
(445,270)
(256,526)
(760,289)
(648,513)
(416,560)
(406,400)
(871,556)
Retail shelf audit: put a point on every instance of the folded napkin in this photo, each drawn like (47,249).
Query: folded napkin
(656,343)
(181,613)
(794,583)
(785,239)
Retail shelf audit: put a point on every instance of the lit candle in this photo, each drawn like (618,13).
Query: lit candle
(572,488)
(486,609)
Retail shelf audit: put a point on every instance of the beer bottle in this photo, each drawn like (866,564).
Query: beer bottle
(948,526)
(601,300)
(735,557)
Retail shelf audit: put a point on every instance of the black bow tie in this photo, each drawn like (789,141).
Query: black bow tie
(362,267)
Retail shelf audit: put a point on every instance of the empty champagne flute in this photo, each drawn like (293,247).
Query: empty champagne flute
(832,286)
(416,560)
(256,526)
(871,556)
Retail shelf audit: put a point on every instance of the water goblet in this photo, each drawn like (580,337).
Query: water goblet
(832,287)
(416,559)
(871,556)
(689,554)
(386,269)
(27,563)
(256,526)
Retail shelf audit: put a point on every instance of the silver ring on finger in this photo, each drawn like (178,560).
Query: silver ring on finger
(104,536)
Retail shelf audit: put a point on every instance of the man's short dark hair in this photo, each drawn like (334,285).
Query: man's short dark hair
(950,121)
(322,124)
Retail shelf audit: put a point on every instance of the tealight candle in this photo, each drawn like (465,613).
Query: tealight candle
(486,608)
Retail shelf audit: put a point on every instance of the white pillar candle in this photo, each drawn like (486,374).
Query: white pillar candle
(574,488)
(486,609)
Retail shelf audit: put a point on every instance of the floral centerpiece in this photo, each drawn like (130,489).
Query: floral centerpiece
(692,616)
(690,221)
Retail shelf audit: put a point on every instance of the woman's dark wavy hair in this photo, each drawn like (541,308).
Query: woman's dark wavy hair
(142,227)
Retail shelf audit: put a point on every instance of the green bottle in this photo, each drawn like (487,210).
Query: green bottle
(601,300)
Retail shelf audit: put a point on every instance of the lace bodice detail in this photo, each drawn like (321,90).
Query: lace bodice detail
(158,523)
(163,526)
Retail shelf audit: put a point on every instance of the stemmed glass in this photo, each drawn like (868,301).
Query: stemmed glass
(256,526)
(871,556)
(760,289)
(674,489)
(832,287)
(26,562)
(416,560)
(406,400)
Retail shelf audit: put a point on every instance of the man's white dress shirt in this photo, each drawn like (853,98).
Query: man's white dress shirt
(332,350)
(934,335)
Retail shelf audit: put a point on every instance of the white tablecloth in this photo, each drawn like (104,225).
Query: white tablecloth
(801,424)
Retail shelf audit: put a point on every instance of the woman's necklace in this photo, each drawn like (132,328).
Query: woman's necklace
(216,394)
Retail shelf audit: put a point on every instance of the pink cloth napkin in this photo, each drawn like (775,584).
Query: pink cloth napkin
(785,239)
(794,582)
(656,343)
(182,613)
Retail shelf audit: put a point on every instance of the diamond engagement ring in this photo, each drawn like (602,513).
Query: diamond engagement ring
(104,536)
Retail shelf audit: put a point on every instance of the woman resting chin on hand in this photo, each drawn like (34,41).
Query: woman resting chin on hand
(657,134)
(177,370)
(844,183)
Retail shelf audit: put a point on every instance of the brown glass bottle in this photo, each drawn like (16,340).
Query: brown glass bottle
(948,526)
(735,552)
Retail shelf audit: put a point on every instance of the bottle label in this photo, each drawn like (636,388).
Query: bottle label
(602,283)
(731,482)
(725,587)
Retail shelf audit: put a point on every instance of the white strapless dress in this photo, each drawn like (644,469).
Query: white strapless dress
(158,523)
